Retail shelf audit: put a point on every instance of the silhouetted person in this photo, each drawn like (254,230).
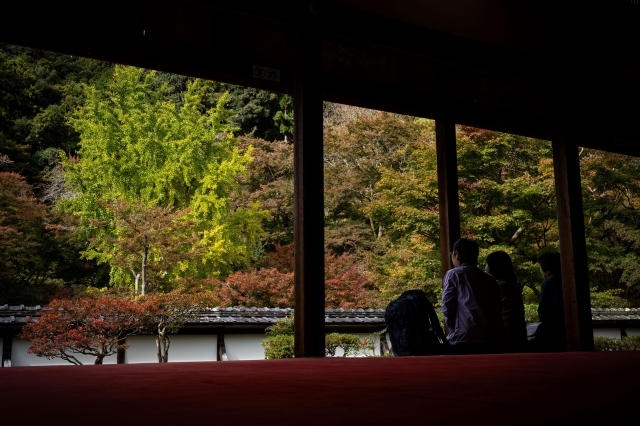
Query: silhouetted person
(500,267)
(471,304)
(551,334)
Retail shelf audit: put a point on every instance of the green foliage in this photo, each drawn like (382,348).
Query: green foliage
(257,113)
(608,299)
(611,194)
(24,269)
(278,347)
(631,343)
(507,197)
(139,147)
(282,327)
(154,244)
(349,343)
(159,140)
(357,154)
(381,198)
(269,183)
(38,92)
(255,110)
(279,341)
(283,118)
(531,313)
(38,256)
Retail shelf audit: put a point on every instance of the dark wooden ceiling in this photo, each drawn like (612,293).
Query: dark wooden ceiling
(505,60)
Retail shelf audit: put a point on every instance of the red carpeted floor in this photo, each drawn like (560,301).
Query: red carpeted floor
(514,389)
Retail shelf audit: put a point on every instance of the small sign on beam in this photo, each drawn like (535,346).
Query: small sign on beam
(265,73)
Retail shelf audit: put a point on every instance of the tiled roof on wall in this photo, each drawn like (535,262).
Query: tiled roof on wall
(15,315)
(615,314)
(227,316)
(271,315)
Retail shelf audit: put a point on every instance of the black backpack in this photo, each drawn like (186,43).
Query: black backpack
(413,326)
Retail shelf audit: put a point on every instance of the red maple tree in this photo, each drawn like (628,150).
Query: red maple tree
(96,327)
(346,283)
(259,288)
(150,243)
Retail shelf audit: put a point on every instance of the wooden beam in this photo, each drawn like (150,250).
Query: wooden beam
(498,89)
(447,163)
(308,179)
(573,248)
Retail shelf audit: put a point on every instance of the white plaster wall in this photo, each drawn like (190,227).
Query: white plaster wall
(362,336)
(244,346)
(142,349)
(613,333)
(20,357)
(632,331)
(192,348)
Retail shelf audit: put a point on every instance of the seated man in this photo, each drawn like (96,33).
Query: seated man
(471,304)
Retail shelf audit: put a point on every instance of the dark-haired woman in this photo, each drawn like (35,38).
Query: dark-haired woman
(500,267)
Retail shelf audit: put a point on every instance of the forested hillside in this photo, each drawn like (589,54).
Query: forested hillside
(127,181)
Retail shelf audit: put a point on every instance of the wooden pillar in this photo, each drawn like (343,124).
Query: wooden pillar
(447,163)
(308,189)
(573,247)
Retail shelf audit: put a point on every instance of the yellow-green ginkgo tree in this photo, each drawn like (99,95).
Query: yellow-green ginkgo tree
(139,147)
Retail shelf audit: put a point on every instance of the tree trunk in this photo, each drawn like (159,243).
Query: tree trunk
(158,349)
(516,235)
(136,277)
(100,356)
(144,265)
(167,343)
(162,346)
(534,289)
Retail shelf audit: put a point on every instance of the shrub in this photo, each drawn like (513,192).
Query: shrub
(529,296)
(631,343)
(281,327)
(608,299)
(350,344)
(531,312)
(279,341)
(278,346)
